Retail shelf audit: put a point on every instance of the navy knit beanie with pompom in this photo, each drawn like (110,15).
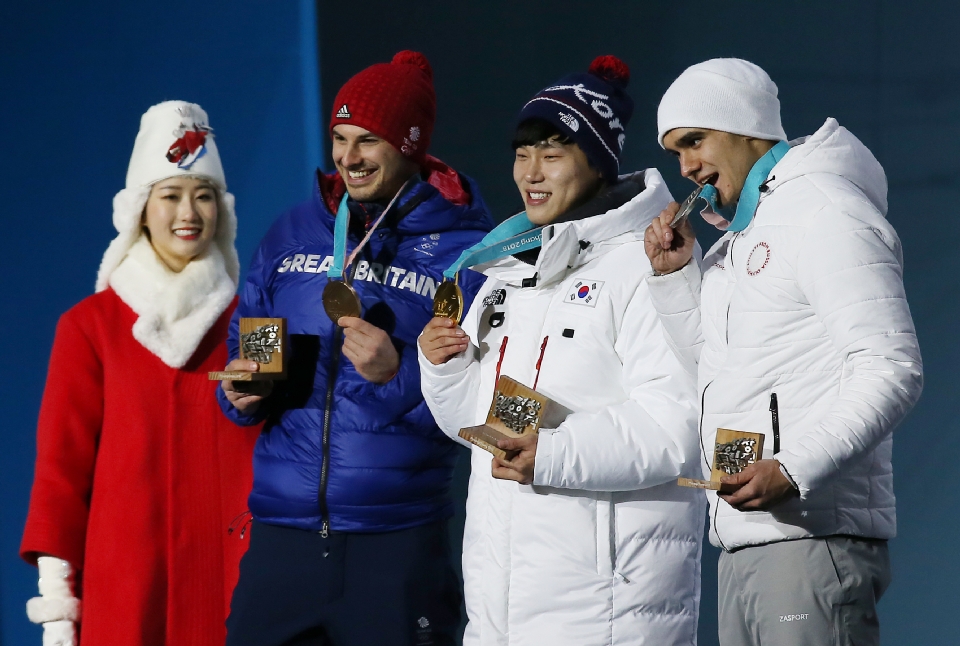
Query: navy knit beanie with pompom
(592,108)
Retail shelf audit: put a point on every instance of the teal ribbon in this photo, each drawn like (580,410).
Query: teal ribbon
(342,224)
(512,236)
(339,240)
(750,194)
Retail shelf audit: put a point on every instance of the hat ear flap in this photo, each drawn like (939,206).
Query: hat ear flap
(128,209)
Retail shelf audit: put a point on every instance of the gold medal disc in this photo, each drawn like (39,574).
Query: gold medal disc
(339,299)
(448,301)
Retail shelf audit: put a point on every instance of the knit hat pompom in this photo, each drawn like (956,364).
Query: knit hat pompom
(407,57)
(394,101)
(611,69)
(592,108)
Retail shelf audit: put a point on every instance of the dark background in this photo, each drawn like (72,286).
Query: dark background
(75,78)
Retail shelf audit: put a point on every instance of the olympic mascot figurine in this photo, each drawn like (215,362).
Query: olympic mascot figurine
(138,475)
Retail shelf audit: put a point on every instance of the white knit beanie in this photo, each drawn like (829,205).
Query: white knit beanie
(728,94)
(175,139)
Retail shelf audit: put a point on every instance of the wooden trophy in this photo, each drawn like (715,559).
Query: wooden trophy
(734,452)
(263,340)
(514,412)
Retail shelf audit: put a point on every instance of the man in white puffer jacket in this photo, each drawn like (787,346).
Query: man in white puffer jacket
(584,537)
(803,298)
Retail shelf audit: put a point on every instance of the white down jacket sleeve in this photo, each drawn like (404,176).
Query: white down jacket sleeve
(648,439)
(851,272)
(450,391)
(676,297)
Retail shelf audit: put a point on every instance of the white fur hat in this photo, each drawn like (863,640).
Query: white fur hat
(175,139)
(728,94)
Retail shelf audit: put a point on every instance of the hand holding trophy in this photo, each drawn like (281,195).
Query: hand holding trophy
(516,411)
(264,342)
(261,360)
(734,452)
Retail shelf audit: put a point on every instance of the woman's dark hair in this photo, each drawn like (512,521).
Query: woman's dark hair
(535,131)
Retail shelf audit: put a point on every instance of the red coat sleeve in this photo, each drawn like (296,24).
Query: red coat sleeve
(71,417)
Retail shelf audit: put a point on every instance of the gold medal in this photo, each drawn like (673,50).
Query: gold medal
(448,301)
(339,299)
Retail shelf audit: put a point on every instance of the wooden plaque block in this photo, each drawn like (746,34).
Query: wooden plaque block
(514,412)
(734,452)
(263,340)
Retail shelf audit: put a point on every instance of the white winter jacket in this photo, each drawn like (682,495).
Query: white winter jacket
(808,303)
(603,548)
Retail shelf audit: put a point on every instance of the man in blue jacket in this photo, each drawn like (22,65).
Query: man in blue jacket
(351,474)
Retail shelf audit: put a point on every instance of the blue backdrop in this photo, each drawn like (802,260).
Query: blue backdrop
(75,80)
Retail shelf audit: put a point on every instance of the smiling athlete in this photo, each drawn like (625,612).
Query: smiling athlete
(583,537)
(351,476)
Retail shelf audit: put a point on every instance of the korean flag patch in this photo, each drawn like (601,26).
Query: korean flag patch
(584,292)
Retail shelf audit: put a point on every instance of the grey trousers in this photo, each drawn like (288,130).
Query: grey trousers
(815,591)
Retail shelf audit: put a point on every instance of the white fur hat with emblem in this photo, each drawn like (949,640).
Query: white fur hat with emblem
(175,139)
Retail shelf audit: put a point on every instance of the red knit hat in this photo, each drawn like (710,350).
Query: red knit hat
(394,101)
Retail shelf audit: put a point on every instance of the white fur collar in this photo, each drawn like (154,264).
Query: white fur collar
(176,310)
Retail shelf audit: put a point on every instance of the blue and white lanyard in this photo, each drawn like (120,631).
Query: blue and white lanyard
(340,261)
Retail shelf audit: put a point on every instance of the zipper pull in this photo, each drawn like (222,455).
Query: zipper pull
(775,422)
(503,351)
(543,348)
(325,529)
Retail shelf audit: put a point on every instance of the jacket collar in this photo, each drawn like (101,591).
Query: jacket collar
(175,310)
(452,201)
(571,244)
(834,150)
(447,181)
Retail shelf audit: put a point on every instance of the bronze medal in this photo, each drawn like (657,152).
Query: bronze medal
(339,299)
(448,301)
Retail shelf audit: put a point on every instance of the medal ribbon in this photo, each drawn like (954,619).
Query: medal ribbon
(512,236)
(749,194)
(340,234)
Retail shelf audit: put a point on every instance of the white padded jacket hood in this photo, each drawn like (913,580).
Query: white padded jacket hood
(834,150)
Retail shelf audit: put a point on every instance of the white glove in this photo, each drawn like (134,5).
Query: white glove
(56,607)
(59,633)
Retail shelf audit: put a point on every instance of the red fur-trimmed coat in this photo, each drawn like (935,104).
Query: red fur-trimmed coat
(138,477)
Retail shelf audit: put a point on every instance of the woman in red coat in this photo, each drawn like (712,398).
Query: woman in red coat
(138,474)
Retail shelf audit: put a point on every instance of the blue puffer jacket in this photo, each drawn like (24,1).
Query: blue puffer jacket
(381,463)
